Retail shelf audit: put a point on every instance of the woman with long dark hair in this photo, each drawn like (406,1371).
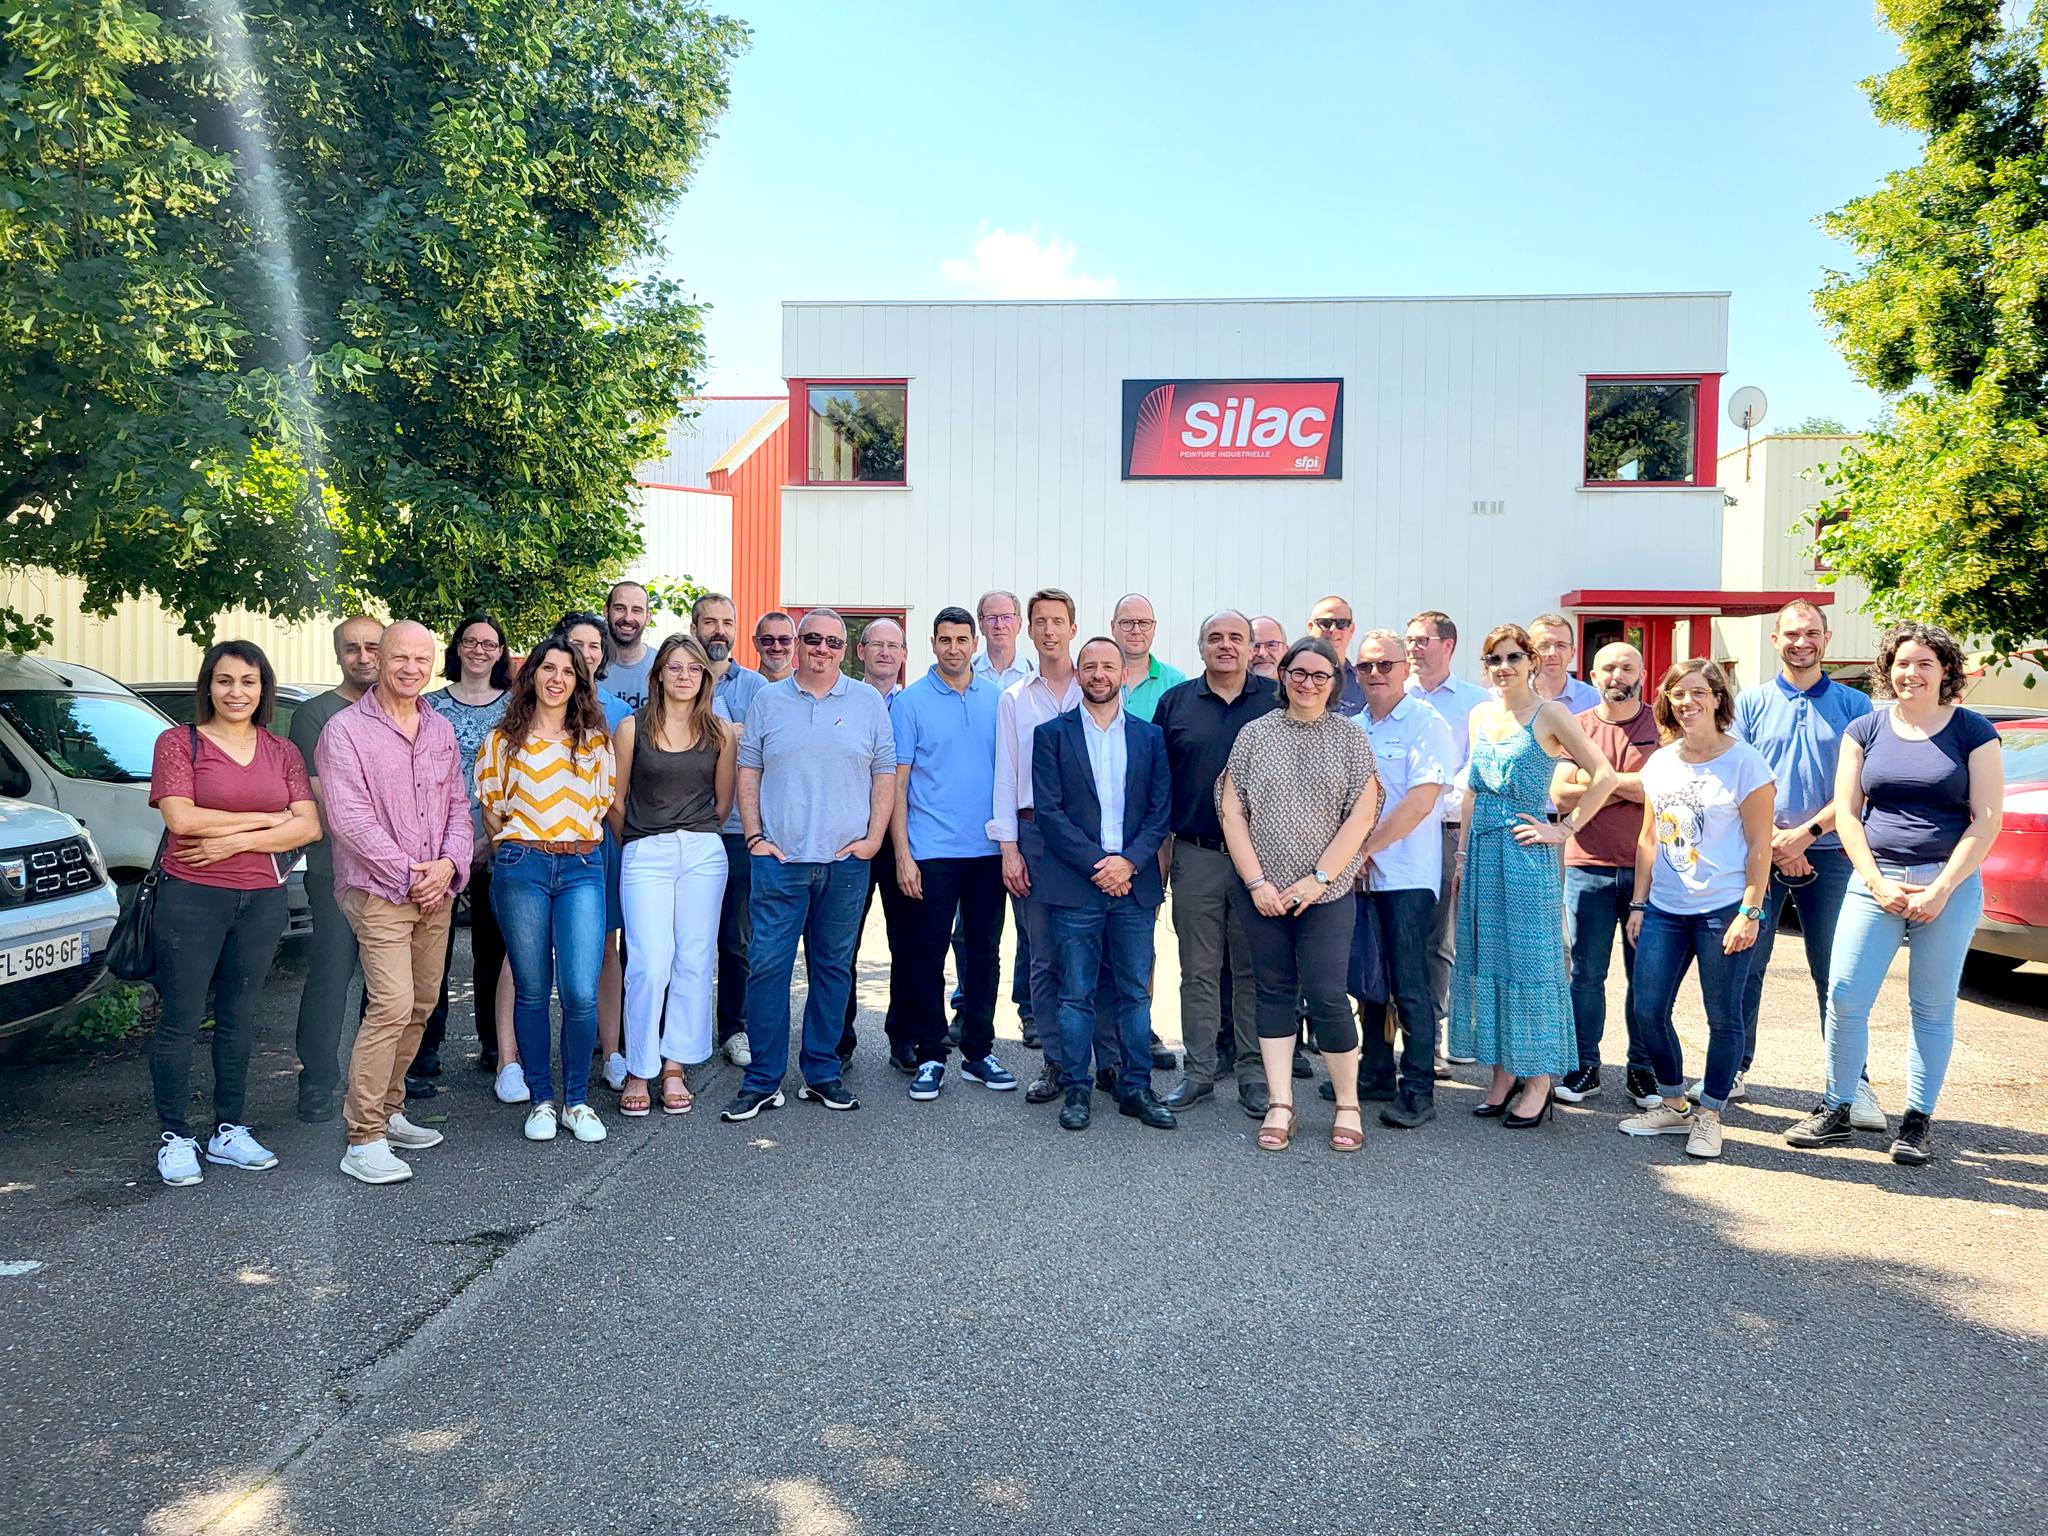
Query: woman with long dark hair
(234,798)
(587,633)
(677,765)
(544,782)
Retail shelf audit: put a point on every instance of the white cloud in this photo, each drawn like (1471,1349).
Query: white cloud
(1021,266)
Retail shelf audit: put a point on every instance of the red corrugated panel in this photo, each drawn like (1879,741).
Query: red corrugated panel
(756,489)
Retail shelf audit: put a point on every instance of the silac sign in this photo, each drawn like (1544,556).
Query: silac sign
(1201,429)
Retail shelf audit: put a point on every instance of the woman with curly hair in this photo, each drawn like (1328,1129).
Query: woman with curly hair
(544,784)
(1919,794)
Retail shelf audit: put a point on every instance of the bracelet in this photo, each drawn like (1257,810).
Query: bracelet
(756,837)
(1253,885)
(1639,906)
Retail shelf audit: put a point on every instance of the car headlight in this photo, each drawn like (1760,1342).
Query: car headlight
(92,852)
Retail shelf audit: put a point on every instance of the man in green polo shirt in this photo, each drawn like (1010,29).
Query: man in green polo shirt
(1146,677)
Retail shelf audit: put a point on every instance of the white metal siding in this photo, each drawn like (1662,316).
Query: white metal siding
(686,533)
(697,438)
(1014,444)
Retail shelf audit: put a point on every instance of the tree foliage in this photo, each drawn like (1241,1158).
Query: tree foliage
(1943,511)
(317,304)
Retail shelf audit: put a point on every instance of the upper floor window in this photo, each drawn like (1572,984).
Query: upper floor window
(853,431)
(1644,431)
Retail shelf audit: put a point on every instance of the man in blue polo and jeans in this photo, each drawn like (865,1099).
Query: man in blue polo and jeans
(817,780)
(1796,721)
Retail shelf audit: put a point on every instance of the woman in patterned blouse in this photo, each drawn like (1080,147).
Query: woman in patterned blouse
(1297,801)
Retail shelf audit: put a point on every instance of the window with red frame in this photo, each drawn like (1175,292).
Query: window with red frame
(854,431)
(1644,431)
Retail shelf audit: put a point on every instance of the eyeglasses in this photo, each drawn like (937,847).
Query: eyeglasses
(1417,642)
(774,642)
(1503,658)
(1330,623)
(483,646)
(814,641)
(874,645)
(1381,667)
(682,669)
(1136,625)
(991,620)
(1554,648)
(1304,675)
(1277,647)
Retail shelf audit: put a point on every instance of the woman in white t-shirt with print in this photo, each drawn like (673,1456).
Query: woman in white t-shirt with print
(1702,863)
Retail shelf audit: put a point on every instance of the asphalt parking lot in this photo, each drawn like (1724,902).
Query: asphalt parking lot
(956,1318)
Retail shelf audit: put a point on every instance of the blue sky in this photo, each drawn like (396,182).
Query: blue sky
(914,150)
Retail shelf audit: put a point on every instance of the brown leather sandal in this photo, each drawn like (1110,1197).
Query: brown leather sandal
(676,1098)
(1343,1138)
(634,1101)
(1273,1138)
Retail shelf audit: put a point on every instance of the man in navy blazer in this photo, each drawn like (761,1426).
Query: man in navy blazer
(1100,792)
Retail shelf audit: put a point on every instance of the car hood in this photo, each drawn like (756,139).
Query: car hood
(22,823)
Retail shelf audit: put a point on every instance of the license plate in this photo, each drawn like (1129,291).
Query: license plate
(44,956)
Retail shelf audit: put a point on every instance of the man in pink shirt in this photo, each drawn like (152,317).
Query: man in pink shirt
(397,814)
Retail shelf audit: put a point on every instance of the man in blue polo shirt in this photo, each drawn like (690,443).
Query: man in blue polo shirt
(1796,721)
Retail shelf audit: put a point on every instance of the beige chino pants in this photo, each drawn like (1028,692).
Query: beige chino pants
(403,953)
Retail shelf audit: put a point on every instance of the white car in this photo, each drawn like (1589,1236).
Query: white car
(57,911)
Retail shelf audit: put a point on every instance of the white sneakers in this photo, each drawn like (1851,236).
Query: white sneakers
(1705,1137)
(177,1160)
(738,1052)
(511,1084)
(401,1132)
(233,1147)
(374,1163)
(1739,1090)
(615,1071)
(1865,1113)
(582,1120)
(543,1120)
(1662,1120)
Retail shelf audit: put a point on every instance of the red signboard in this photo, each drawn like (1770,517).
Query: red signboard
(1198,429)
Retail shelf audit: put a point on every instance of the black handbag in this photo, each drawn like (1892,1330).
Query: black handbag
(131,951)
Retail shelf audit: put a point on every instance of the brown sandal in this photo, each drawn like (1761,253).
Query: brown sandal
(634,1101)
(676,1098)
(1344,1139)
(1273,1138)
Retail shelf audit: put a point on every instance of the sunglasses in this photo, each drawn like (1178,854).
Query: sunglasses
(774,642)
(1504,658)
(1381,667)
(813,640)
(1330,623)
(1304,675)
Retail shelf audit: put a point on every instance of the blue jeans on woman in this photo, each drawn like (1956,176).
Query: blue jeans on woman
(1670,943)
(550,908)
(1866,938)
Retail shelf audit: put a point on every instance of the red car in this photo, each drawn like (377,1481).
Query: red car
(2014,928)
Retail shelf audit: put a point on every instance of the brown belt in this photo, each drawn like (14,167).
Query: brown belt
(587,846)
(1024,813)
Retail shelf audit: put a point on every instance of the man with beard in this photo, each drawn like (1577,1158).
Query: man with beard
(881,652)
(625,621)
(775,644)
(1600,868)
(1269,644)
(714,620)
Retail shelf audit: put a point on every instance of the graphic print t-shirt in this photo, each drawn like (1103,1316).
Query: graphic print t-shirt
(1701,851)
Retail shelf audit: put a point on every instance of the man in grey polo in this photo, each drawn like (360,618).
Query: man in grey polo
(817,781)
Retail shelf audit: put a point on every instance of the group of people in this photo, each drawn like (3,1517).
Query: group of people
(1356,844)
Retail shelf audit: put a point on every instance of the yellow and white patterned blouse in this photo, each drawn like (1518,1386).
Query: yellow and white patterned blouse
(546,791)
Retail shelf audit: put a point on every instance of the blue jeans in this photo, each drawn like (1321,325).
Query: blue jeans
(1819,904)
(1596,908)
(1083,935)
(1670,943)
(1399,922)
(820,904)
(1865,941)
(550,908)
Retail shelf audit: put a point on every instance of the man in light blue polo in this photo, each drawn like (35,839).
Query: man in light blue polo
(817,780)
(947,865)
(1796,721)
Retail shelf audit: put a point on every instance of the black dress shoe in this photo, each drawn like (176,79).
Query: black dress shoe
(318,1107)
(1487,1111)
(1256,1099)
(1408,1111)
(1146,1110)
(903,1058)
(426,1064)
(1379,1093)
(420,1088)
(1105,1080)
(1187,1091)
(1075,1113)
(1046,1086)
(1030,1036)
(1301,1067)
(1226,1062)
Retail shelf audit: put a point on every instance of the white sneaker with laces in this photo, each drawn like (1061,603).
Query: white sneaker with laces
(233,1147)
(511,1084)
(583,1122)
(738,1052)
(1865,1113)
(1704,1140)
(615,1071)
(374,1163)
(541,1121)
(1661,1121)
(177,1159)
(401,1132)
(1737,1090)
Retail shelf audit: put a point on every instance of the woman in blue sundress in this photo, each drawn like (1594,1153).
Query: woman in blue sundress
(1511,1006)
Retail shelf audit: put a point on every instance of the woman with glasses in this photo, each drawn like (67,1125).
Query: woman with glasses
(544,782)
(586,633)
(1510,1005)
(1297,799)
(676,771)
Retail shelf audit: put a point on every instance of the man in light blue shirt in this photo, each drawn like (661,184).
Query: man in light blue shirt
(1552,636)
(1002,662)
(947,866)
(1796,721)
(1431,642)
(714,620)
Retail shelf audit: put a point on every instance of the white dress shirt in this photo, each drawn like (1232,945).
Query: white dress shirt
(1411,746)
(1454,699)
(1109,761)
(1022,665)
(1024,707)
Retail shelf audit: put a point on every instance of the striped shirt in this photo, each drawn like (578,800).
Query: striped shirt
(545,793)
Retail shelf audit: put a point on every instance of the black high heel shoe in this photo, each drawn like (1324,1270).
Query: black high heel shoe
(1495,1111)
(1547,1110)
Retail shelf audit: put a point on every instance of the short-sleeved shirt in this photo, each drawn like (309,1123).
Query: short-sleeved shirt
(1454,699)
(1143,700)
(1296,781)
(1916,794)
(1200,729)
(730,700)
(308,721)
(270,781)
(1799,731)
(947,739)
(1410,746)
(546,791)
(818,759)
(1608,841)
(628,679)
(1702,855)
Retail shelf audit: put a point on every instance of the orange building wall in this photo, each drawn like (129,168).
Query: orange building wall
(756,490)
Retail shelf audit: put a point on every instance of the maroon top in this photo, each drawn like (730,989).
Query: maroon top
(1608,841)
(274,778)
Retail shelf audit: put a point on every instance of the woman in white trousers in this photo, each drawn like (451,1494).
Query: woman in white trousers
(675,785)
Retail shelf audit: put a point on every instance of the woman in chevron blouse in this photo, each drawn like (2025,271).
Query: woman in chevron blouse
(544,784)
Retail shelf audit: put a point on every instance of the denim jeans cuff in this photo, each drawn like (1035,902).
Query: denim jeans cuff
(1672,1090)
(1708,1102)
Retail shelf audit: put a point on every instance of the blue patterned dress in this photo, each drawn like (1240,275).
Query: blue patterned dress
(1511,1005)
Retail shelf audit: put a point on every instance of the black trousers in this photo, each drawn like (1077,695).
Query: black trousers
(486,958)
(972,891)
(330,967)
(1400,921)
(899,923)
(735,933)
(1303,963)
(225,940)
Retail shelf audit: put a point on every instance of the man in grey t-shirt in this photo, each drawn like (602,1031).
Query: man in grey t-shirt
(628,656)
(817,780)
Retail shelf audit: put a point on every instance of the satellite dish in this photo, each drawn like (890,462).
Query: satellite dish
(1746,407)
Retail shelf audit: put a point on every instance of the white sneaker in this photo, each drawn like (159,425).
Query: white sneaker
(738,1052)
(233,1147)
(582,1120)
(1705,1137)
(374,1163)
(1459,1061)
(1661,1121)
(1739,1089)
(1865,1113)
(541,1121)
(511,1084)
(615,1071)
(401,1132)
(178,1159)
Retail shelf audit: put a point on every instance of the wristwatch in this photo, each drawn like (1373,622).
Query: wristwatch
(1321,878)
(1815,830)
(1754,914)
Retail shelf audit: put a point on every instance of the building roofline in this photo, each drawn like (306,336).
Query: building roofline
(1792,437)
(1123,303)
(749,442)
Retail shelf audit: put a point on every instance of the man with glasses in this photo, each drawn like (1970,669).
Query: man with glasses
(1000,660)
(1331,620)
(817,780)
(881,652)
(1146,677)
(715,621)
(1553,637)
(775,644)
(1796,721)
(1269,644)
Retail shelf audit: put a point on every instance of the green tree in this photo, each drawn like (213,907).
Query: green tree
(1943,511)
(1818,426)
(311,305)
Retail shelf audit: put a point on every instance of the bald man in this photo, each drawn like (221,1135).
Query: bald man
(1600,867)
(398,815)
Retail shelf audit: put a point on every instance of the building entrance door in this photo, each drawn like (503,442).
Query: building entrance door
(1650,633)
